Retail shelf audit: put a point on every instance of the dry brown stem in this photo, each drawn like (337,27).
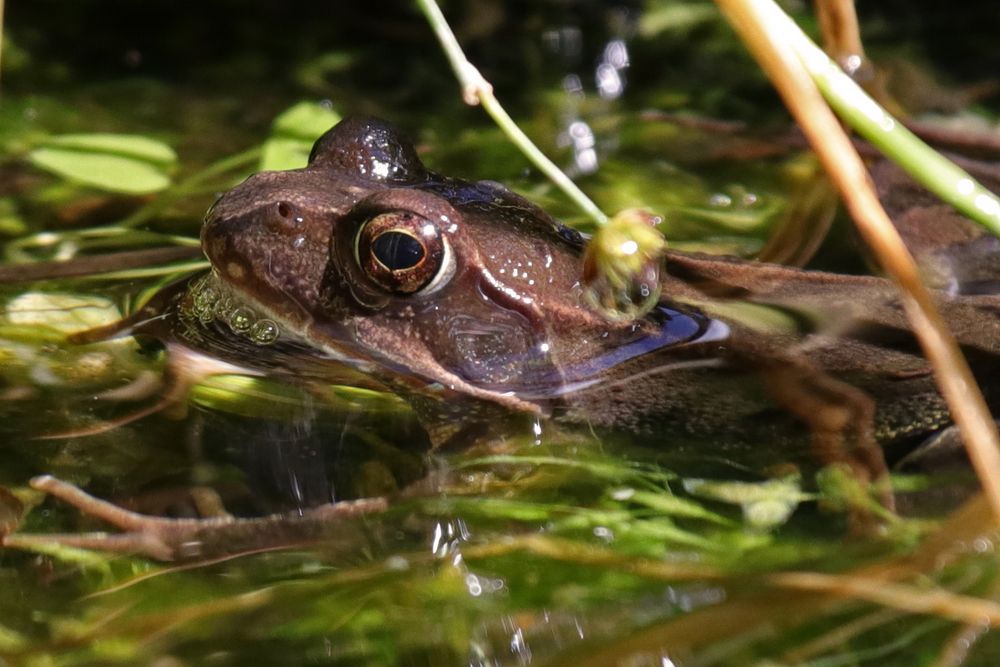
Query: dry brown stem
(755,21)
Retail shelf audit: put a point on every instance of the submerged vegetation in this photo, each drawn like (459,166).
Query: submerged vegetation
(554,551)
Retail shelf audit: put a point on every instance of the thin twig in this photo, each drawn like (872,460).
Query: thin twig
(477,90)
(839,635)
(769,34)
(94,264)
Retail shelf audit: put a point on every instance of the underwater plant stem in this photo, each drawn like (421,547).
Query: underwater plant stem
(961,643)
(85,266)
(904,597)
(67,244)
(477,90)
(765,30)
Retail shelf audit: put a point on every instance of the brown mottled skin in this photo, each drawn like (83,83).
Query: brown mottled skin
(739,351)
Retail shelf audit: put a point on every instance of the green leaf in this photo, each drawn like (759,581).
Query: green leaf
(281,153)
(305,121)
(114,173)
(134,146)
(293,133)
(669,505)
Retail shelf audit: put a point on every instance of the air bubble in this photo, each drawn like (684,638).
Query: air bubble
(223,307)
(205,300)
(241,320)
(264,332)
(206,297)
(202,312)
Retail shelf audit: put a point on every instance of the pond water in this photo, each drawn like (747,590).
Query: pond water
(551,547)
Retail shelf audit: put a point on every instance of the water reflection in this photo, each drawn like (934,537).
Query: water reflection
(609,81)
(609,76)
(314,458)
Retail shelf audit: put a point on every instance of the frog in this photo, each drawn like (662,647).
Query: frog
(466,300)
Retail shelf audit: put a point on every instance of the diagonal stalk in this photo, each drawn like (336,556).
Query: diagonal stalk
(769,35)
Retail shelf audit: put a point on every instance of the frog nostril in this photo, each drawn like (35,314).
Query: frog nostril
(284,210)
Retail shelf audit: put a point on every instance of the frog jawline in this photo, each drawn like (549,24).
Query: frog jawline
(332,349)
(287,332)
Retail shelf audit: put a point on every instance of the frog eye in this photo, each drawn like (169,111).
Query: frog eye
(403,252)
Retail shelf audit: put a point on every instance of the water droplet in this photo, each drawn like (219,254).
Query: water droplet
(397,563)
(623,494)
(720,200)
(604,533)
(204,300)
(207,296)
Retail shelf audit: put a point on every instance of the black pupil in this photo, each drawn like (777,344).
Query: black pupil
(397,250)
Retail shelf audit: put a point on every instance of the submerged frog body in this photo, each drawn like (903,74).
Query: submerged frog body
(465,299)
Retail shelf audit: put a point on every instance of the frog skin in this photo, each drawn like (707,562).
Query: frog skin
(465,299)
(475,315)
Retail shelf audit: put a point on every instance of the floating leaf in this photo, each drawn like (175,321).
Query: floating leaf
(114,173)
(65,312)
(281,153)
(124,145)
(305,120)
(676,18)
(293,133)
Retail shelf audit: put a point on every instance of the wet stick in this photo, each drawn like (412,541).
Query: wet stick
(770,35)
